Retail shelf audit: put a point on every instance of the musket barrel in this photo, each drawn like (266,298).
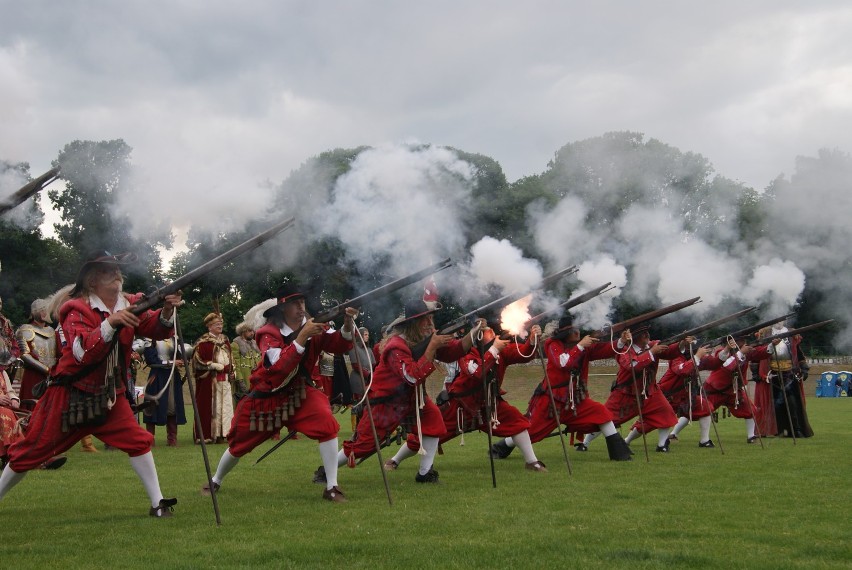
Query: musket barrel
(334,312)
(752,329)
(208,267)
(793,332)
(28,189)
(650,315)
(708,326)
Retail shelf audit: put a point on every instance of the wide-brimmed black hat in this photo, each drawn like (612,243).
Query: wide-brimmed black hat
(285,293)
(414,309)
(563,329)
(101,257)
(640,329)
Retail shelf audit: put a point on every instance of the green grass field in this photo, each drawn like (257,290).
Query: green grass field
(784,506)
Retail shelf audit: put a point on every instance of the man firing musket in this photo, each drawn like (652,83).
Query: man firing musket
(85,392)
(397,394)
(566,380)
(635,392)
(682,386)
(282,387)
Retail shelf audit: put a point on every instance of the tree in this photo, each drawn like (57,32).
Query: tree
(32,266)
(96,208)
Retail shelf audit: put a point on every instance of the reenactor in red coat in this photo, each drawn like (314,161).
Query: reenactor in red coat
(86,391)
(282,387)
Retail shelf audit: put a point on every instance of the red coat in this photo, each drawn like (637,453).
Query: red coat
(468,388)
(578,363)
(722,378)
(204,354)
(81,321)
(396,362)
(645,367)
(267,377)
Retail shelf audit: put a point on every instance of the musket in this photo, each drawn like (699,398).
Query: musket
(749,330)
(156,297)
(650,315)
(339,309)
(707,326)
(27,190)
(465,320)
(567,305)
(791,332)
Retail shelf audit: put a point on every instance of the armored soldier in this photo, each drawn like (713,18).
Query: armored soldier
(39,351)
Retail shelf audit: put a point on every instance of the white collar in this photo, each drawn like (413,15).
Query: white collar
(286,330)
(97,303)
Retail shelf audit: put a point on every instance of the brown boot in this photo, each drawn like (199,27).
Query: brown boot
(171,431)
(87,445)
(152,428)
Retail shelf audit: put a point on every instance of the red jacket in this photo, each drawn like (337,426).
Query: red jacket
(267,377)
(81,321)
(397,372)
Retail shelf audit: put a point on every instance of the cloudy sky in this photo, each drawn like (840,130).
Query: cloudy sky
(217,97)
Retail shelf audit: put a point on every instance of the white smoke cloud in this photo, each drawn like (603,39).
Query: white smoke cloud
(401,206)
(559,232)
(594,273)
(779,283)
(693,269)
(498,262)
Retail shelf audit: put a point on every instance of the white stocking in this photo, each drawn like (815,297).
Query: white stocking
(227,463)
(430,445)
(147,472)
(522,440)
(9,479)
(328,453)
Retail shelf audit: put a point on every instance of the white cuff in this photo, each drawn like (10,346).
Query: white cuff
(107,331)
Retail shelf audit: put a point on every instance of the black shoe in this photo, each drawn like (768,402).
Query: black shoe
(54,462)
(319,476)
(430,477)
(581,446)
(617,448)
(663,448)
(164,509)
(500,450)
(752,439)
(708,443)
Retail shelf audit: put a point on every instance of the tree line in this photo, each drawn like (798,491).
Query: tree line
(608,173)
